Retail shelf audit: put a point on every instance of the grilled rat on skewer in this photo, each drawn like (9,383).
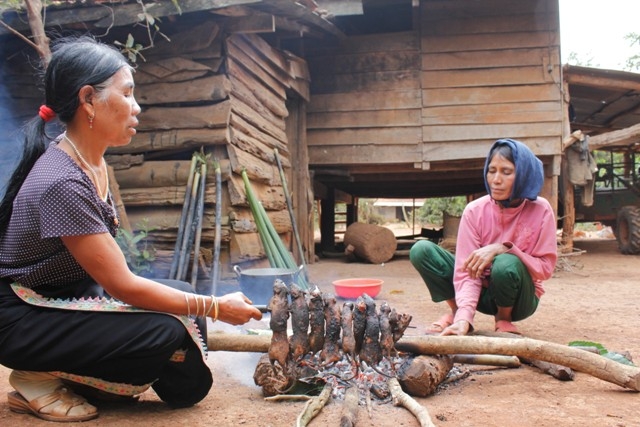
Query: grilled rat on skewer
(359,322)
(346,322)
(279,307)
(370,351)
(316,321)
(299,309)
(399,324)
(331,348)
(387,345)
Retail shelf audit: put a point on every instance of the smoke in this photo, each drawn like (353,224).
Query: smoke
(239,366)
(10,147)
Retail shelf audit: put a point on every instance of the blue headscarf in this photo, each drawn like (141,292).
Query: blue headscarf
(529,172)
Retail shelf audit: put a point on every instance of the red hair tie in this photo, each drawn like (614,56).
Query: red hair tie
(46,113)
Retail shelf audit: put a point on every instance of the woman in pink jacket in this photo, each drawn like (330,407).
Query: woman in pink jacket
(506,247)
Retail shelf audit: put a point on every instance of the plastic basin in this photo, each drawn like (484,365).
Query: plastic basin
(353,288)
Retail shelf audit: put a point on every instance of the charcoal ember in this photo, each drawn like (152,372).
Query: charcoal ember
(279,307)
(299,309)
(359,322)
(371,352)
(387,345)
(331,348)
(316,321)
(399,323)
(346,322)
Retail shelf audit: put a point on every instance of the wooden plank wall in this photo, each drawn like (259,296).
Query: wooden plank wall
(225,95)
(490,69)
(470,72)
(366,105)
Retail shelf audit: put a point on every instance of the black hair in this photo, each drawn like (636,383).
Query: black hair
(75,62)
(504,151)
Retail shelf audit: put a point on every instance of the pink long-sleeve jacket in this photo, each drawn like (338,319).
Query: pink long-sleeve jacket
(529,230)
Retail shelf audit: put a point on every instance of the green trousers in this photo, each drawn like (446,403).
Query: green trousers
(509,285)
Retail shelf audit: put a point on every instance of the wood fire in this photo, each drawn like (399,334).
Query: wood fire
(347,347)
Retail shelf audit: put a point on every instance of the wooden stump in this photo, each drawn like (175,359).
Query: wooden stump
(421,375)
(370,242)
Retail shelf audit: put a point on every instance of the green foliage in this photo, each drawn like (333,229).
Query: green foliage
(130,48)
(17,5)
(617,357)
(136,248)
(574,59)
(368,214)
(432,211)
(633,63)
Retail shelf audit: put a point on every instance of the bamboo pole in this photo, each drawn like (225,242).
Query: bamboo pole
(198,225)
(294,225)
(186,239)
(183,219)
(215,274)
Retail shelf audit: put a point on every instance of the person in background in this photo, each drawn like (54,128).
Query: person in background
(506,247)
(73,317)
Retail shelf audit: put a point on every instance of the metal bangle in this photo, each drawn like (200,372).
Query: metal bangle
(186,298)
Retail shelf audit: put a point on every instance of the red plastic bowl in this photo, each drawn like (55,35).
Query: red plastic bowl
(353,288)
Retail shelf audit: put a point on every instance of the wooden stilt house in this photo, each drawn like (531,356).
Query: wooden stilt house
(361,98)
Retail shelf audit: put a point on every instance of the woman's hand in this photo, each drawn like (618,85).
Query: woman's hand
(461,327)
(480,259)
(236,309)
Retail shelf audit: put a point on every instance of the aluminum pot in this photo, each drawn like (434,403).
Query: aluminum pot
(257,283)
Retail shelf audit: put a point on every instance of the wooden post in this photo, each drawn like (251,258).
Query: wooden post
(328,221)
(301,186)
(569,218)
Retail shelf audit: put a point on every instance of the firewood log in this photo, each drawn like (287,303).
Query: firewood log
(421,375)
(370,242)
(579,360)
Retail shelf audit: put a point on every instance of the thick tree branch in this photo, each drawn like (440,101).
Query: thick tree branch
(34,12)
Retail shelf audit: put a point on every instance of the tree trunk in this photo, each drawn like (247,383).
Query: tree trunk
(370,242)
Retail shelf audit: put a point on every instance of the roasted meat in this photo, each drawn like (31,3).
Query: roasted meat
(316,321)
(331,348)
(279,307)
(299,309)
(346,322)
(370,351)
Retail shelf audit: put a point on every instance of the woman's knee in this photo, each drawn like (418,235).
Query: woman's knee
(420,252)
(507,266)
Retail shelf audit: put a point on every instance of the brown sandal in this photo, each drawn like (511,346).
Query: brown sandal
(66,398)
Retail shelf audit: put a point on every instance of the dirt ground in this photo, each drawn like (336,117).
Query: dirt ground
(593,296)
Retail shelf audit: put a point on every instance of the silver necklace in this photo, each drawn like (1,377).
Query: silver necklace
(101,194)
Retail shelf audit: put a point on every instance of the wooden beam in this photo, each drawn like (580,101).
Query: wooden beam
(105,16)
(256,23)
(603,79)
(341,7)
(622,137)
